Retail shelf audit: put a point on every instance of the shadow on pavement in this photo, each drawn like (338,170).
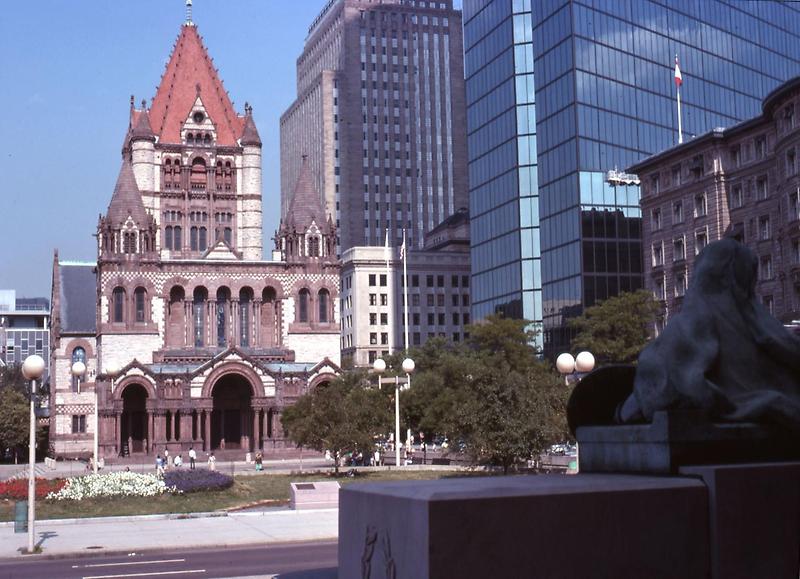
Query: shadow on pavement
(316,574)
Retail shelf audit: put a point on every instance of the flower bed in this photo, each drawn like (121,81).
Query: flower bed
(17,489)
(201,479)
(112,484)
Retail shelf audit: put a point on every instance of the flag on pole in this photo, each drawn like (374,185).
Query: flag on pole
(678,77)
(403,247)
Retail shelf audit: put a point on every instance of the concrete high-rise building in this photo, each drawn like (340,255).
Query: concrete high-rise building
(561,93)
(380,117)
(24,329)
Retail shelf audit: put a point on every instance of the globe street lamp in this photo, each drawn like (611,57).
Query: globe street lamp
(32,369)
(569,366)
(408,367)
(78,369)
(112,370)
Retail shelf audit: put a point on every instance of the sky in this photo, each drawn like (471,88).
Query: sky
(67,71)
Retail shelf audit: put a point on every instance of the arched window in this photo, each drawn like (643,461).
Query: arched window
(228,235)
(167,174)
(118,305)
(199,315)
(78,355)
(313,246)
(207,139)
(193,238)
(168,238)
(202,239)
(229,181)
(176,238)
(199,176)
(129,242)
(245,303)
(189,138)
(303,307)
(324,301)
(139,300)
(223,303)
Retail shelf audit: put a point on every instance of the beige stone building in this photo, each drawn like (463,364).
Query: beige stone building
(373,323)
(743,182)
(209,341)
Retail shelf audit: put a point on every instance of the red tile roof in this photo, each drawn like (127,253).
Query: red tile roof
(190,72)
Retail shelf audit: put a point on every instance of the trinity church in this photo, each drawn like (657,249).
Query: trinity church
(188,336)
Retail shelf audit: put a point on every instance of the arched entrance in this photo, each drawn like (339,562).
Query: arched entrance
(232,414)
(134,419)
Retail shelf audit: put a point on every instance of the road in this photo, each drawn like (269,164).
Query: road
(288,561)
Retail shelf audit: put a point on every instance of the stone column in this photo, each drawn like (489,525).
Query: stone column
(256,434)
(188,318)
(278,322)
(207,430)
(118,431)
(186,426)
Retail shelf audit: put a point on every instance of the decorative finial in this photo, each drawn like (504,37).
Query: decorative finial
(144,104)
(189,13)
(304,157)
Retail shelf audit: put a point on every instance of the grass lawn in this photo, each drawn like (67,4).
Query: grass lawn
(246,489)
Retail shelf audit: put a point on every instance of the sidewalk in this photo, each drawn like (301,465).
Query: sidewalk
(158,532)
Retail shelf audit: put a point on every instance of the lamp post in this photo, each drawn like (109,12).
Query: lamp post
(575,368)
(408,367)
(379,367)
(569,366)
(112,370)
(32,369)
(78,369)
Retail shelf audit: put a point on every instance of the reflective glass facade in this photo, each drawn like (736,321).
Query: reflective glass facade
(560,92)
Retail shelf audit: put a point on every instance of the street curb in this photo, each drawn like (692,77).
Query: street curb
(124,518)
(155,550)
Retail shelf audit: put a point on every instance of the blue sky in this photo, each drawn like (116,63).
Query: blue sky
(68,69)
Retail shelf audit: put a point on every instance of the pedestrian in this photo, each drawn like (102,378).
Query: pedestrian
(178,461)
(259,461)
(212,462)
(159,466)
(377,457)
(192,457)
(166,459)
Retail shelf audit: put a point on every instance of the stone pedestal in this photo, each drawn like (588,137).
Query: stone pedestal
(525,526)
(676,439)
(754,519)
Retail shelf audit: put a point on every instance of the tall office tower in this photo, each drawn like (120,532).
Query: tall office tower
(562,92)
(380,116)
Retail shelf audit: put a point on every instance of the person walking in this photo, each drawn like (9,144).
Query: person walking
(166,459)
(159,466)
(212,462)
(178,461)
(259,461)
(192,457)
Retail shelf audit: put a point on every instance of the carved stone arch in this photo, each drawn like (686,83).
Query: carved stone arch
(234,367)
(252,283)
(79,343)
(274,283)
(120,386)
(169,283)
(320,379)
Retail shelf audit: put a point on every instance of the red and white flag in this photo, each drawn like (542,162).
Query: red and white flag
(678,77)
(403,247)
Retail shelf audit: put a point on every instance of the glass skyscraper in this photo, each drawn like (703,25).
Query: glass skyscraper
(564,94)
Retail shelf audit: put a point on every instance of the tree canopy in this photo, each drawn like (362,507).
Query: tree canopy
(343,416)
(617,329)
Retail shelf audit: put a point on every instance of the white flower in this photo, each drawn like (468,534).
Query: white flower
(112,484)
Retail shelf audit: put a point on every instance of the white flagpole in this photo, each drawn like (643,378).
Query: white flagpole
(389,293)
(405,288)
(680,126)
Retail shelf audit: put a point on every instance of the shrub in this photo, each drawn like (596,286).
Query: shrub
(17,489)
(112,484)
(201,479)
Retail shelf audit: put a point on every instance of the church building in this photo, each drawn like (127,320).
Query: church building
(188,336)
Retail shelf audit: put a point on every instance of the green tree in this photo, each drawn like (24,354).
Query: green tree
(14,420)
(509,416)
(616,330)
(344,416)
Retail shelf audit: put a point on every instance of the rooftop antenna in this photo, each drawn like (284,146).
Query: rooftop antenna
(189,13)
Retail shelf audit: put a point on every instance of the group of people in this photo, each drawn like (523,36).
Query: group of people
(163,463)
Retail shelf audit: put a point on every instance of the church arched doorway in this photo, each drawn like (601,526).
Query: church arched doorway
(134,419)
(232,414)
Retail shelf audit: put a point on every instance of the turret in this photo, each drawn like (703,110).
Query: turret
(250,240)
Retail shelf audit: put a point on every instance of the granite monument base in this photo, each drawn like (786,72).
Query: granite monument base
(754,519)
(679,438)
(525,526)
